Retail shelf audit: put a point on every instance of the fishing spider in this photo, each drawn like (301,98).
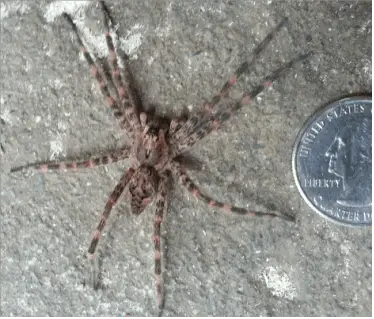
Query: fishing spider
(156,150)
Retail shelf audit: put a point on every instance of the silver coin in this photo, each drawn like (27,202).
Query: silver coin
(331,161)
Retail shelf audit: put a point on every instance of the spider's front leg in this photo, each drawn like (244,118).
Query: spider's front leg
(190,125)
(113,157)
(160,210)
(122,111)
(212,121)
(121,85)
(118,110)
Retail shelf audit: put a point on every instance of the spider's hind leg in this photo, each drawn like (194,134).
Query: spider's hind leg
(186,181)
(158,219)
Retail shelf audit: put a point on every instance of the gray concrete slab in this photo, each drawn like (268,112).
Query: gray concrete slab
(181,52)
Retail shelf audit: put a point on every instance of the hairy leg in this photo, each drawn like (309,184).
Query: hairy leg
(118,109)
(186,181)
(122,87)
(176,125)
(112,200)
(213,121)
(113,157)
(193,121)
(160,210)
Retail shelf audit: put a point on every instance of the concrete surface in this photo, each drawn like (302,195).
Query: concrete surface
(180,54)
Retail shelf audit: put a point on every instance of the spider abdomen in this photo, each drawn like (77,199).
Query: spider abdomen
(142,188)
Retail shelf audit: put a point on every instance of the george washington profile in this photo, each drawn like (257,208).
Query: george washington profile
(350,159)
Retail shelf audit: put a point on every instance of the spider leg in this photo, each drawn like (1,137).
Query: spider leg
(213,121)
(143,119)
(176,125)
(89,163)
(173,126)
(186,181)
(194,120)
(112,200)
(123,88)
(160,209)
(118,110)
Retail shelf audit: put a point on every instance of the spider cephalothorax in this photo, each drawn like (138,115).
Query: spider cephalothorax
(151,147)
(157,150)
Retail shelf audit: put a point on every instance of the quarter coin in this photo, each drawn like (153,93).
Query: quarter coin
(332,161)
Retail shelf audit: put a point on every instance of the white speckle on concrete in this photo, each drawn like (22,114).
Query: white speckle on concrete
(365,26)
(278,283)
(38,119)
(132,41)
(8,8)
(6,116)
(62,126)
(164,31)
(215,9)
(74,8)
(57,147)
(321,224)
(367,67)
(345,248)
(2,101)
(57,84)
(96,44)
(28,66)
(150,61)
(32,262)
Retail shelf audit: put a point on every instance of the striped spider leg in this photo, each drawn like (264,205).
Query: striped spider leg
(161,207)
(112,157)
(122,106)
(121,86)
(186,182)
(212,121)
(190,125)
(112,200)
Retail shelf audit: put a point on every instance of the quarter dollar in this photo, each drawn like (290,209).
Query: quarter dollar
(332,161)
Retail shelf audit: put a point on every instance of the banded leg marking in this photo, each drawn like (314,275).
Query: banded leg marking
(112,200)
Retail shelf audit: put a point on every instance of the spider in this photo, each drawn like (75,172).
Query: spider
(157,148)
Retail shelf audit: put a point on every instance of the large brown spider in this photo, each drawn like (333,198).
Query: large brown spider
(157,148)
